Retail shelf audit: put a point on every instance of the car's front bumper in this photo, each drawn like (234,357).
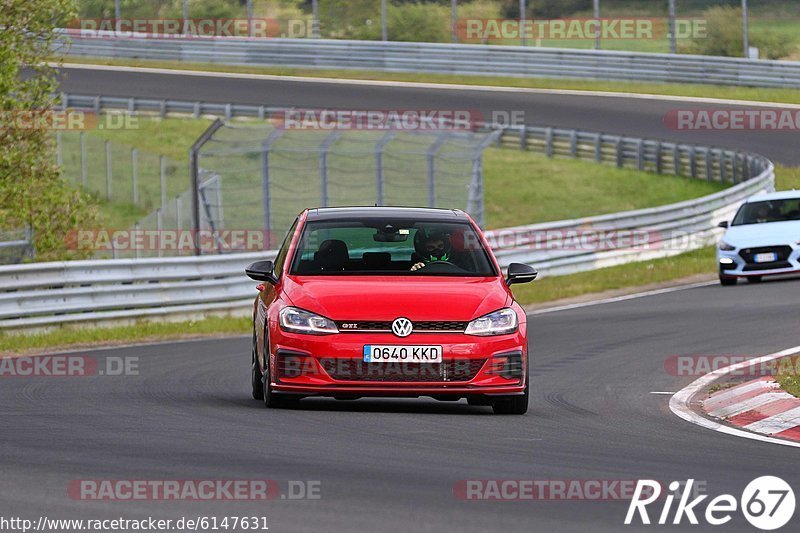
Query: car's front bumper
(739,262)
(333,365)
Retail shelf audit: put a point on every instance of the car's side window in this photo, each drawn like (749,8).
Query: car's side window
(284,249)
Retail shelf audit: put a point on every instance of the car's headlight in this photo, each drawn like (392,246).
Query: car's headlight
(301,321)
(725,247)
(497,323)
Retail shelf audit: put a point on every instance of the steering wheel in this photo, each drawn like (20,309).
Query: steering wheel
(435,266)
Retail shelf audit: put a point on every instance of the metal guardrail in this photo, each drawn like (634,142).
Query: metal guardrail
(47,294)
(460,59)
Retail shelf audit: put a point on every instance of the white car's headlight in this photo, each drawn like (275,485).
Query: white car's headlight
(497,323)
(725,247)
(301,321)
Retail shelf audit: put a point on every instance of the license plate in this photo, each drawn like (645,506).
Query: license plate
(767,257)
(402,354)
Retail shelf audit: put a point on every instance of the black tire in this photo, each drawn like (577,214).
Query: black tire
(479,401)
(512,405)
(727,280)
(255,375)
(754,279)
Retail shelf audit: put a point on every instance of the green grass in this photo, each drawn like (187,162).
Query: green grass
(668,89)
(617,277)
(525,188)
(139,332)
(790,383)
(787,177)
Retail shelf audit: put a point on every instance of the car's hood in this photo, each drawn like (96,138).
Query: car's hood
(771,233)
(386,298)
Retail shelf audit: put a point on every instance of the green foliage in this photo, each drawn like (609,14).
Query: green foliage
(418,22)
(725,37)
(31,191)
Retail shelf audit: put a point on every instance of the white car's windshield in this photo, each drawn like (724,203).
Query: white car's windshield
(768,211)
(391,247)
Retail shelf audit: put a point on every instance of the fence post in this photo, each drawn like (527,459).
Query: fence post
(135,166)
(735,165)
(265,185)
(723,166)
(158,231)
(109,176)
(323,164)
(523,138)
(179,212)
(162,163)
(431,156)
(379,147)
(194,176)
(83,160)
(693,161)
(709,166)
(620,154)
(136,248)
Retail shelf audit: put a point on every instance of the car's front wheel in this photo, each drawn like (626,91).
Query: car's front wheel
(255,374)
(726,280)
(512,405)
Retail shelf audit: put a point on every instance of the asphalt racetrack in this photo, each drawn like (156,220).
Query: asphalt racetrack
(392,465)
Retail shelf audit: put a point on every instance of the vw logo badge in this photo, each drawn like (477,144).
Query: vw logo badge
(402,327)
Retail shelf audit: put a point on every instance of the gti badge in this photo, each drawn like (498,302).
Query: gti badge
(402,327)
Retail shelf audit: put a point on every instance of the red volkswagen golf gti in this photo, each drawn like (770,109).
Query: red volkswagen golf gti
(386,301)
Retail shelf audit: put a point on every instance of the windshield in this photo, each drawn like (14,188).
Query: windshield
(768,211)
(391,247)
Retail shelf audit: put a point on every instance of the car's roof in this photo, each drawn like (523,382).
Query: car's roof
(777,195)
(379,212)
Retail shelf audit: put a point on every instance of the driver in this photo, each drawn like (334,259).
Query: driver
(430,246)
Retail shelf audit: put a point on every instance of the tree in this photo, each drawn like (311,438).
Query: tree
(32,192)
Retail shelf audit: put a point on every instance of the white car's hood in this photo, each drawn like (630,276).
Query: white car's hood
(771,233)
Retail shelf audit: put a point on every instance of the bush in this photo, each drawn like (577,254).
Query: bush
(418,22)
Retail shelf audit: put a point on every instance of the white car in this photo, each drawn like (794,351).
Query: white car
(763,238)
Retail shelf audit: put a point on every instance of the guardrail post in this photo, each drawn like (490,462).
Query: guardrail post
(96,104)
(179,212)
(620,154)
(735,165)
(131,106)
(523,138)
(723,167)
(109,176)
(59,156)
(640,154)
(709,166)
(196,110)
(137,252)
(598,148)
(162,164)
(659,163)
(82,137)
(693,161)
(573,143)
(548,142)
(266,190)
(676,160)
(135,167)
(228,112)
(64,101)
(261,113)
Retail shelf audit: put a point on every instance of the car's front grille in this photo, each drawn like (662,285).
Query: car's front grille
(750,267)
(422,326)
(358,370)
(782,253)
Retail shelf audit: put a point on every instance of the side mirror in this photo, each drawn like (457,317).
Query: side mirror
(723,224)
(520,273)
(262,271)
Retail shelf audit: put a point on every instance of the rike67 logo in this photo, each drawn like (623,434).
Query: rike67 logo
(767,502)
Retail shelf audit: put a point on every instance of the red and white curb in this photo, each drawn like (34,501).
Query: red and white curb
(754,403)
(759,406)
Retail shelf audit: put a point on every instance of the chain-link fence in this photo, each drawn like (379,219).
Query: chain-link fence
(268,174)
